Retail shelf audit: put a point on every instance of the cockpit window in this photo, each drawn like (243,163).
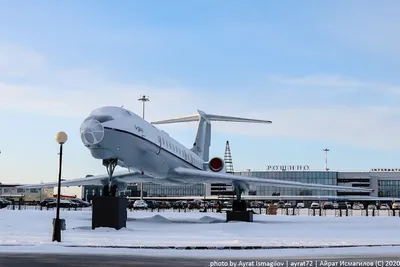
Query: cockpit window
(114,112)
(100,118)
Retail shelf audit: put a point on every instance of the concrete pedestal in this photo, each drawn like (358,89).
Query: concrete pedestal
(108,211)
(239,205)
(239,212)
(242,216)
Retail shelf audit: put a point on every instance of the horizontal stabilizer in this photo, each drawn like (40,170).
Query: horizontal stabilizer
(210,117)
(202,142)
(189,118)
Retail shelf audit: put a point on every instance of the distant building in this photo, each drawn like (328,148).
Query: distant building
(310,177)
(385,182)
(9,191)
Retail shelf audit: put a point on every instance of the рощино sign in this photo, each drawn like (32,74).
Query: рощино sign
(288,168)
(385,170)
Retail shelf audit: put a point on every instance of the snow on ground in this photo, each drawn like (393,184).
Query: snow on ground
(33,229)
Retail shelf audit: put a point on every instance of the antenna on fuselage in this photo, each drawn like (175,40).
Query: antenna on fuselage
(202,143)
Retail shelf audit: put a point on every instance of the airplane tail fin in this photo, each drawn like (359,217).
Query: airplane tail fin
(202,142)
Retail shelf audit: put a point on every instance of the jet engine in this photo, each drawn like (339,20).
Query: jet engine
(216,164)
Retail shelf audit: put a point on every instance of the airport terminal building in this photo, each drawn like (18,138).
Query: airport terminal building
(384,181)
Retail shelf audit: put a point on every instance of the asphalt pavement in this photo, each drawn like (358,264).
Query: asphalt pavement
(54,260)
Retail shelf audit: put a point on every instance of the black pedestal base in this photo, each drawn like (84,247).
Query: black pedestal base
(108,211)
(239,205)
(242,216)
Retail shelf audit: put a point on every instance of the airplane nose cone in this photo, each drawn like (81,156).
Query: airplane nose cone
(92,132)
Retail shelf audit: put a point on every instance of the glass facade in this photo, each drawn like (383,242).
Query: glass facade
(310,177)
(156,190)
(389,188)
(152,190)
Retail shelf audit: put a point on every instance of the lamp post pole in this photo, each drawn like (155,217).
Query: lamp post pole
(326,150)
(143,99)
(61,138)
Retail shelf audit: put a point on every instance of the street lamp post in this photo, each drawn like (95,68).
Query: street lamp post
(61,138)
(143,99)
(326,150)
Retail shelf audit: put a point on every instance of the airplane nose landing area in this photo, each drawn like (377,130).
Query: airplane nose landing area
(92,132)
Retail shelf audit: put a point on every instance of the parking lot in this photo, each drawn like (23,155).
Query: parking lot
(197,206)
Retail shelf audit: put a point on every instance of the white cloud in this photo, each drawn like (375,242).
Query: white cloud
(74,93)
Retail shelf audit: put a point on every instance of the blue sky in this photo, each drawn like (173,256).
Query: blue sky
(325,73)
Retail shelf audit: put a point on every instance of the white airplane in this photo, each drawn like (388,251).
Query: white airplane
(120,137)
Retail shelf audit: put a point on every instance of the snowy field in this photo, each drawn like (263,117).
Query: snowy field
(31,231)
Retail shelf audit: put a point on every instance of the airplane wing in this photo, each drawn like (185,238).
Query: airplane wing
(125,177)
(244,181)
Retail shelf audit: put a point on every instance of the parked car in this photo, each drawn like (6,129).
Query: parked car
(164,205)
(280,204)
(314,205)
(140,204)
(152,204)
(287,205)
(358,206)
(63,204)
(371,207)
(396,206)
(130,204)
(256,204)
(343,205)
(300,205)
(327,205)
(80,203)
(3,203)
(47,200)
(207,204)
(384,207)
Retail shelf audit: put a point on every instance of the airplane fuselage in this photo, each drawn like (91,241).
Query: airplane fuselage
(138,144)
(120,137)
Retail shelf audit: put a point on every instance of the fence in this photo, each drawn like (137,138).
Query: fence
(265,211)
